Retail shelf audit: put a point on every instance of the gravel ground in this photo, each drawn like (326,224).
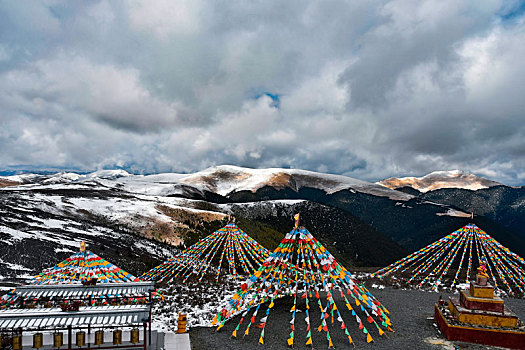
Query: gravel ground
(411,313)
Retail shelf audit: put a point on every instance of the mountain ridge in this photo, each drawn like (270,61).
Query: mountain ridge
(145,216)
(440,179)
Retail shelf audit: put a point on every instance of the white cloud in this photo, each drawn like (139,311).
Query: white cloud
(369,89)
(164,17)
(107,93)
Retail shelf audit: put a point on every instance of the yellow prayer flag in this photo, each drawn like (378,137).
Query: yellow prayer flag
(261,341)
(369,338)
(290,341)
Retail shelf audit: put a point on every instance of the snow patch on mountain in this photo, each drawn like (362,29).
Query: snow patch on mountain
(455,213)
(62,177)
(440,179)
(35,234)
(227,179)
(107,174)
(223,180)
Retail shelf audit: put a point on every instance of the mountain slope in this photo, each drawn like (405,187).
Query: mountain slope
(39,230)
(440,179)
(223,180)
(41,224)
(412,224)
(226,180)
(137,219)
(348,238)
(502,204)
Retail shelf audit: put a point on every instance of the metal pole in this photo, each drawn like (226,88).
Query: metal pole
(150,325)
(89,336)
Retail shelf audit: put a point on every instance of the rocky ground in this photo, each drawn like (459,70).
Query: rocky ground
(411,314)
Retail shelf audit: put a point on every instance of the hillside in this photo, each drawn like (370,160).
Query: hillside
(502,204)
(42,224)
(137,221)
(440,179)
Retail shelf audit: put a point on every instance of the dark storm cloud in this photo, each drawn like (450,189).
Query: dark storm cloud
(369,89)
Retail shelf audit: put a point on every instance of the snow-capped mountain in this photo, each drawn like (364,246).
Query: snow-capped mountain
(227,179)
(223,180)
(52,213)
(440,179)
(136,220)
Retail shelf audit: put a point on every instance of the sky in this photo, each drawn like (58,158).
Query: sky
(368,89)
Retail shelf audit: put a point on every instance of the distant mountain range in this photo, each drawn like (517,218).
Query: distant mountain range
(138,219)
(440,179)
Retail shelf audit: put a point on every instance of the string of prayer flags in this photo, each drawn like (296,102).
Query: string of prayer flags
(83,266)
(304,269)
(243,255)
(429,266)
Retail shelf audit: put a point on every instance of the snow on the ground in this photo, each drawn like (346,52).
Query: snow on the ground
(62,177)
(455,213)
(200,301)
(119,209)
(225,179)
(463,286)
(441,179)
(151,247)
(378,286)
(443,343)
(15,266)
(64,250)
(38,235)
(107,174)
(20,269)
(52,223)
(37,186)
(250,205)
(21,178)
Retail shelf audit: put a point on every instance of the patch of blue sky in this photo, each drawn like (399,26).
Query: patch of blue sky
(276,98)
(512,11)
